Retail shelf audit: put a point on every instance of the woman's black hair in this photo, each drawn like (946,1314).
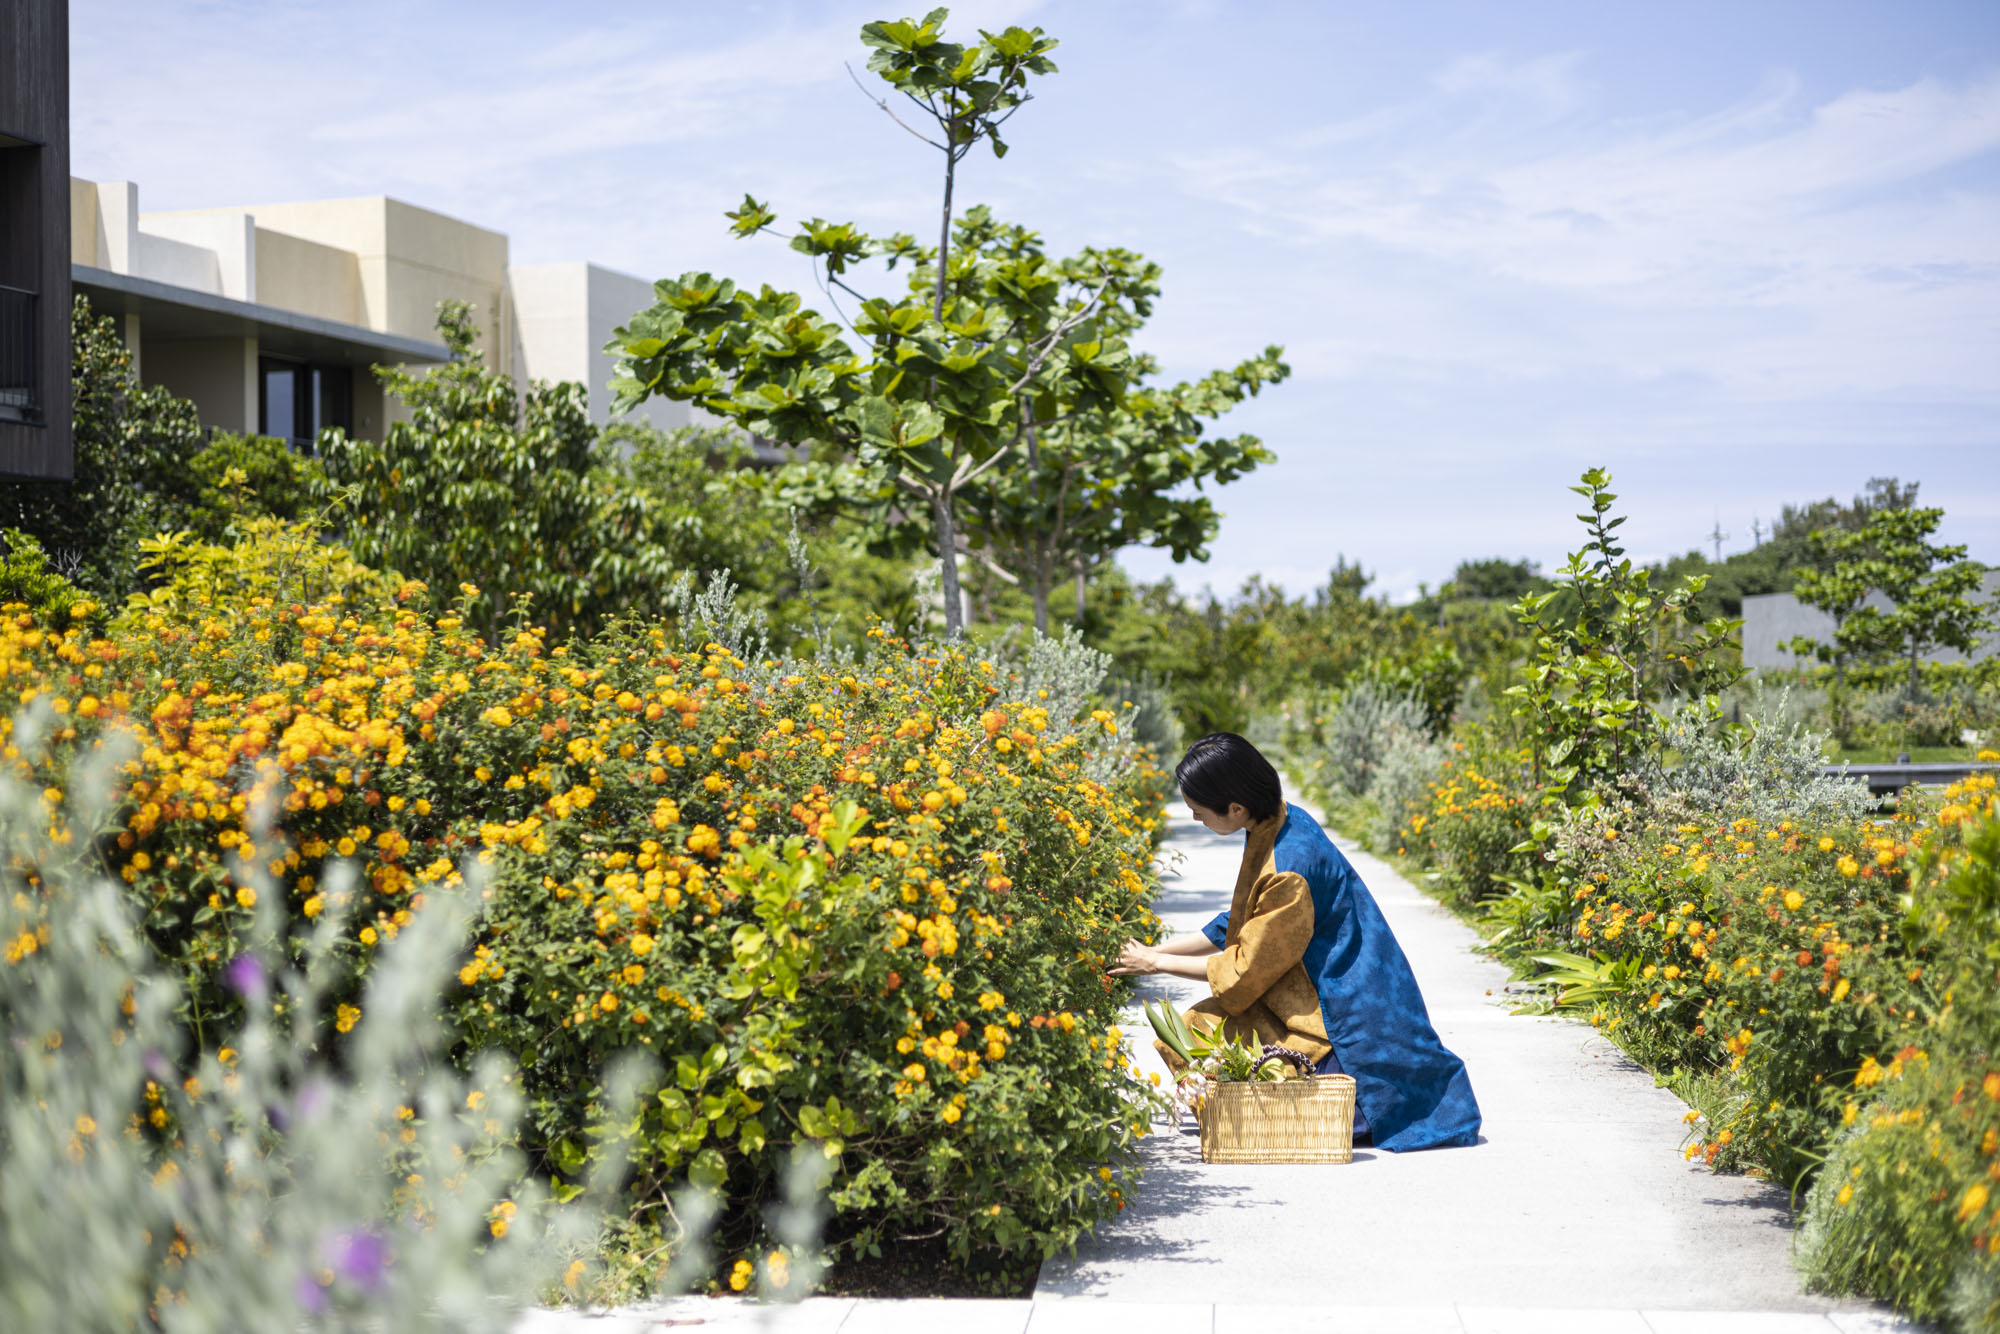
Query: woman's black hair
(1222,769)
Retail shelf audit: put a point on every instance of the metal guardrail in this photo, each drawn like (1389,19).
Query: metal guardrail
(20,399)
(1887,779)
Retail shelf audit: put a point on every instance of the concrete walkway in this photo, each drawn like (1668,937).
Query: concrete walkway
(1577,1199)
(1576,1213)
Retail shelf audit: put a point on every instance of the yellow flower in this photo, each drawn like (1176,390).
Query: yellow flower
(1848,866)
(311,907)
(246,896)
(368,936)
(346,1017)
(1826,845)
(642,944)
(950,1114)
(1974,1201)
(1794,900)
(1846,1195)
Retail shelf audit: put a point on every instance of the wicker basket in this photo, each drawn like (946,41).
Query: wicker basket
(1291,1121)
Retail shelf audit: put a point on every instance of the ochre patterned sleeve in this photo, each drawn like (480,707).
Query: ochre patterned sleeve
(1271,940)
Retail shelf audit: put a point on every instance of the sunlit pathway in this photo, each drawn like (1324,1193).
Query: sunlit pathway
(1578,1199)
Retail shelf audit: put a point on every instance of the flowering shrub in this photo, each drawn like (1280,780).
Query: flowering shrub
(865,909)
(852,909)
(1474,813)
(1909,1204)
(1767,971)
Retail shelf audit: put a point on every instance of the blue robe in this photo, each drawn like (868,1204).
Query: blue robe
(1413,1091)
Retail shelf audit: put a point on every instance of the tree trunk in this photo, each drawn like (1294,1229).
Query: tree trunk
(944,226)
(1080,606)
(947,541)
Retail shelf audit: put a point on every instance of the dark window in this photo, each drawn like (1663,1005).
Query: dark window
(296,401)
(20,276)
(19,400)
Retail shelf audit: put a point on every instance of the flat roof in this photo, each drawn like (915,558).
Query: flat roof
(178,314)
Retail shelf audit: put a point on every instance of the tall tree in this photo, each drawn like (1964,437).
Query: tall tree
(992,345)
(1103,480)
(1930,588)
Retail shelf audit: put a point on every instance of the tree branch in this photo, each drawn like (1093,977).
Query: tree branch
(883,103)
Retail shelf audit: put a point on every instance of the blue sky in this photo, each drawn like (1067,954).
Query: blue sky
(1740,253)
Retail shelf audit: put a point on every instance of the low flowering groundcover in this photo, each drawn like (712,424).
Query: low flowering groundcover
(858,907)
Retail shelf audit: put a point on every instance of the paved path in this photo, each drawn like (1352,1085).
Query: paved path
(1576,1215)
(1577,1198)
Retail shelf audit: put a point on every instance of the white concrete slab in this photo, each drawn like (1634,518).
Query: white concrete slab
(1337,1320)
(1487,1320)
(1738,1322)
(941,1315)
(1122,1317)
(697,1315)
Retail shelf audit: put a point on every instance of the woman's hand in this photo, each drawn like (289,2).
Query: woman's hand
(1135,960)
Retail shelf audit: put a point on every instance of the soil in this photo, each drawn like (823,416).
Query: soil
(925,1269)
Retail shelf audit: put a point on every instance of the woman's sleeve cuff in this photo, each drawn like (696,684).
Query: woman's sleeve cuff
(1217,930)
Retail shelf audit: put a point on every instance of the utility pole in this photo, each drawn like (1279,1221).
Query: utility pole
(1717,537)
(1757,531)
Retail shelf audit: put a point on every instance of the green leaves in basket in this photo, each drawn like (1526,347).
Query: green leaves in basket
(1172,1030)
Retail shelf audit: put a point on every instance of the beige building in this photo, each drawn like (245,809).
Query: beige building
(268,317)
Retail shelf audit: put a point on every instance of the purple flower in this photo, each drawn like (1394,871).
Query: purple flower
(311,1100)
(361,1257)
(247,976)
(311,1296)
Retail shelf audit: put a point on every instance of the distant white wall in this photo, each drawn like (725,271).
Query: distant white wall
(564,314)
(169,246)
(1771,619)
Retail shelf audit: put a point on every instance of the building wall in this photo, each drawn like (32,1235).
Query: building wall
(296,274)
(1771,619)
(83,224)
(223,245)
(564,315)
(404,261)
(35,223)
(219,374)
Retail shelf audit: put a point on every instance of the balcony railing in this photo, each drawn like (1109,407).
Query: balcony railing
(19,396)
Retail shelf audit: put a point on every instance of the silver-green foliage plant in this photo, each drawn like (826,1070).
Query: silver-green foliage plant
(257,1185)
(1771,770)
(1153,724)
(1401,783)
(1372,719)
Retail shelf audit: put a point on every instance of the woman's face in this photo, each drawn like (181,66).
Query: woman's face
(1232,821)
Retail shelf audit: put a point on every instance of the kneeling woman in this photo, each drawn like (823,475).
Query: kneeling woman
(1303,958)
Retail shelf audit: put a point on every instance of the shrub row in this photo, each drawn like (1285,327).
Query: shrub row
(1817,979)
(862,907)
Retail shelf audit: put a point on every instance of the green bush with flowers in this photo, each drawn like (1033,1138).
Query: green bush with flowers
(1909,1202)
(1473,819)
(863,908)
(1763,965)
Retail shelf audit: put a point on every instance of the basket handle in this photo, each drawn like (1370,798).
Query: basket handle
(1273,1052)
